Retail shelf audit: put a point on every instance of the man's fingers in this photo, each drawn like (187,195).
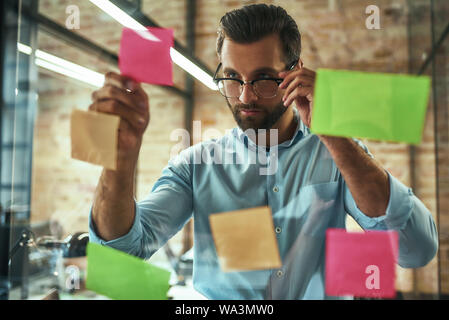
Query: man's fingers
(119,81)
(297,82)
(292,76)
(297,93)
(127,98)
(289,75)
(304,71)
(308,72)
(115,107)
(125,83)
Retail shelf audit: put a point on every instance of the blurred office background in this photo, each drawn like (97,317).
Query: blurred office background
(47,192)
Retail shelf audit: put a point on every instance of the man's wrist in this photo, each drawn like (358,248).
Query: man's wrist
(122,176)
(332,142)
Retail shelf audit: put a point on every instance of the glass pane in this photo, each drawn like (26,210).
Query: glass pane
(57,190)
(45,192)
(17,116)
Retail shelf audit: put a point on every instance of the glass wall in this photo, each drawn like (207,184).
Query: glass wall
(47,195)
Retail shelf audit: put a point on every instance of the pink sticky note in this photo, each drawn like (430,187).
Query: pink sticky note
(146,60)
(361,264)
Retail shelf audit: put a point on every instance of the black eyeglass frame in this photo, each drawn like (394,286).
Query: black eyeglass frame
(290,67)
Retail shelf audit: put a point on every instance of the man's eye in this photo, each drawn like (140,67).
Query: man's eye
(263,76)
(231,75)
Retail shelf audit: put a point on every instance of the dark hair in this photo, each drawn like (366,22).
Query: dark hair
(253,22)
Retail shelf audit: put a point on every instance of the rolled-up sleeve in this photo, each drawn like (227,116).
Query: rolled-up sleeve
(159,216)
(128,242)
(405,213)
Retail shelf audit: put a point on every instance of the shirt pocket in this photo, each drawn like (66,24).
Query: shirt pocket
(321,207)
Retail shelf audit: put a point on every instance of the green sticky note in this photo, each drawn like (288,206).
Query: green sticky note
(121,276)
(379,106)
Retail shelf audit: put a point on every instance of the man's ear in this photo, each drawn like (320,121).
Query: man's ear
(300,64)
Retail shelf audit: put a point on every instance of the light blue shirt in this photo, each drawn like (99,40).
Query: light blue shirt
(306,193)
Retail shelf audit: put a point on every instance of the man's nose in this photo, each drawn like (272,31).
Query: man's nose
(248,95)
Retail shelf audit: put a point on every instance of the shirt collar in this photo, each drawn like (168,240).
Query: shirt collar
(301,131)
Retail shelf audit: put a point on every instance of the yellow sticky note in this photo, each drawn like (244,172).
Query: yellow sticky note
(245,239)
(94,137)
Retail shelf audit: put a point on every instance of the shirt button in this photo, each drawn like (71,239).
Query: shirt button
(279,273)
(278,229)
(275,189)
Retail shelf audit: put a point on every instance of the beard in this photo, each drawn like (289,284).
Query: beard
(265,120)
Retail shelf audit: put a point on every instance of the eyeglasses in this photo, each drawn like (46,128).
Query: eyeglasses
(264,88)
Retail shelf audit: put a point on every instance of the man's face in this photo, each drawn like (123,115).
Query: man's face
(248,62)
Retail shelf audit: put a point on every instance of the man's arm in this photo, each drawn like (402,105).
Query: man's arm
(116,219)
(373,197)
(113,208)
(113,211)
(365,178)
(379,201)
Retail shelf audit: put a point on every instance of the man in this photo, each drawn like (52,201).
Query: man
(317,181)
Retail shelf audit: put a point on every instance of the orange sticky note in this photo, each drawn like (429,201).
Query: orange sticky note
(245,239)
(94,137)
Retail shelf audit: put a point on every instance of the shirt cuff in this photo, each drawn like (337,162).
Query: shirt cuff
(124,243)
(398,211)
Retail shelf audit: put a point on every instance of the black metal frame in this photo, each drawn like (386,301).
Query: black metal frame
(435,46)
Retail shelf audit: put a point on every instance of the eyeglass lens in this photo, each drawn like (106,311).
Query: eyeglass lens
(233,88)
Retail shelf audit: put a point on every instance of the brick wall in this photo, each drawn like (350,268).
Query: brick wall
(334,36)
(62,188)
